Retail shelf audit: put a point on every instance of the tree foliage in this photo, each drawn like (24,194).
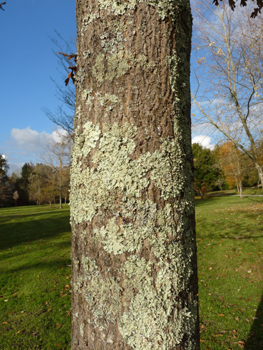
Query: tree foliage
(5,188)
(232,4)
(206,173)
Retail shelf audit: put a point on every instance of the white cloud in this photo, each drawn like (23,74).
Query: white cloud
(203,140)
(33,141)
(27,145)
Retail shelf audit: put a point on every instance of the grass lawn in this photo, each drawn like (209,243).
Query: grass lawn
(35,275)
(230,262)
(34,278)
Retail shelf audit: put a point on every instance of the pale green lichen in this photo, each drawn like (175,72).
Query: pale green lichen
(146,322)
(88,18)
(82,329)
(110,67)
(86,54)
(107,100)
(152,321)
(113,45)
(119,7)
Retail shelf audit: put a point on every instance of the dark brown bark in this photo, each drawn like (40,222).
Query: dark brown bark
(134,276)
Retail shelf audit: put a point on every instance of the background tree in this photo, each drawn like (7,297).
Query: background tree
(22,182)
(5,189)
(57,156)
(206,173)
(234,164)
(132,197)
(252,178)
(230,90)
(38,181)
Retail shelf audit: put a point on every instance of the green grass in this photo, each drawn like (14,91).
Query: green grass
(35,276)
(230,262)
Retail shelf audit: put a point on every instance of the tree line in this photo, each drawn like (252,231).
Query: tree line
(224,167)
(40,183)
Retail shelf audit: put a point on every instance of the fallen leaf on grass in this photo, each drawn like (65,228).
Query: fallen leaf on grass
(241,344)
(202,340)
(59,325)
(5,323)
(18,332)
(221,315)
(57,344)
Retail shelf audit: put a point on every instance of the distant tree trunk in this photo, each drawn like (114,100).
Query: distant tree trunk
(134,270)
(15,197)
(260,174)
(240,188)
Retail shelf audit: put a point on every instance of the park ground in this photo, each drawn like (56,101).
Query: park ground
(35,275)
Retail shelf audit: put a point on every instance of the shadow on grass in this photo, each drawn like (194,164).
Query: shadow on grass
(24,231)
(226,230)
(54,264)
(255,338)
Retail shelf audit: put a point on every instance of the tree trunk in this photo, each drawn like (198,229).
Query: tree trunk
(260,173)
(240,188)
(134,270)
(60,201)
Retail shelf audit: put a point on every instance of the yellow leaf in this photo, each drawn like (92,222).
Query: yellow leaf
(221,315)
(5,323)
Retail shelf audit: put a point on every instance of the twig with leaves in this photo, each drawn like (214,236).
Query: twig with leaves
(73,68)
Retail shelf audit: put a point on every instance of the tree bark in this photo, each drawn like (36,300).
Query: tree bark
(134,270)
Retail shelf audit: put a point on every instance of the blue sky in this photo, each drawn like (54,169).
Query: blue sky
(27,63)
